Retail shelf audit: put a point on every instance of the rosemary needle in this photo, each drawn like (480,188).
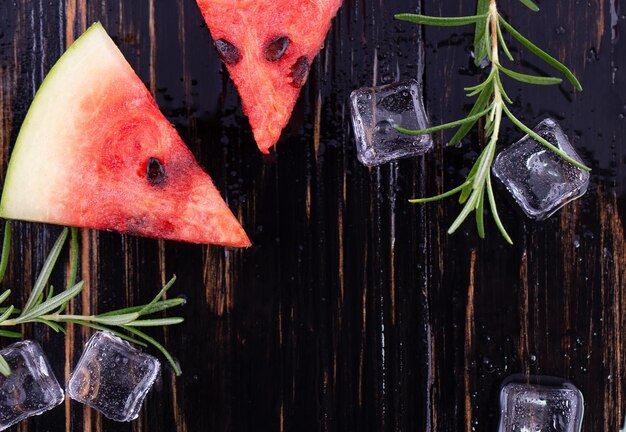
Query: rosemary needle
(50,308)
(491,104)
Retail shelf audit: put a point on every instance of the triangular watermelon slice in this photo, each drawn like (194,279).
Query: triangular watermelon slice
(95,151)
(268,47)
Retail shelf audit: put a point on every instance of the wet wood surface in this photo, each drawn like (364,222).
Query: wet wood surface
(354,310)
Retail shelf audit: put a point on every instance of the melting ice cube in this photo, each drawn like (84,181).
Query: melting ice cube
(540,180)
(31,388)
(113,377)
(539,403)
(375,112)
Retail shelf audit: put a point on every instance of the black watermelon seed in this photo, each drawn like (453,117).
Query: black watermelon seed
(300,72)
(276,48)
(227,52)
(155,172)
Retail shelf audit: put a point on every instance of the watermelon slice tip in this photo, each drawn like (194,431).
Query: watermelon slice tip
(94,151)
(268,47)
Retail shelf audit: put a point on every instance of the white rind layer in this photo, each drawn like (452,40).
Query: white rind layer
(34,187)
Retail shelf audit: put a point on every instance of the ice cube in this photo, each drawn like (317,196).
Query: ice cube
(375,112)
(112,377)
(540,180)
(540,403)
(31,389)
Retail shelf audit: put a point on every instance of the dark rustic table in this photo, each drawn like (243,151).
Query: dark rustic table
(353,310)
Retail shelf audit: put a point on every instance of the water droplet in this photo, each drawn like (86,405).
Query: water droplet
(386,78)
(487,365)
(383,127)
(592,55)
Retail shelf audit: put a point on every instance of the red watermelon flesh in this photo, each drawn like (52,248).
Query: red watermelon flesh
(95,151)
(268,47)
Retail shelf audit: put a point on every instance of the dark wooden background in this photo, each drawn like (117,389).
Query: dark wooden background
(353,310)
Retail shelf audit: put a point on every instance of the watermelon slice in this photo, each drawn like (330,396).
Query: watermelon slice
(95,151)
(268,47)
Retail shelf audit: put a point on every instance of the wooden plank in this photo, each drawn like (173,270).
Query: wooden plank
(354,310)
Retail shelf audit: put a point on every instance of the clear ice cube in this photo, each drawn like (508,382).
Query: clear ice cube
(112,377)
(375,112)
(540,181)
(31,389)
(539,403)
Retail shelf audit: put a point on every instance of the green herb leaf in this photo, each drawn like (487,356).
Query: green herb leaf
(480,48)
(157,345)
(50,305)
(54,326)
(50,292)
(469,206)
(71,275)
(440,21)
(501,88)
(447,194)
(6,244)
(530,79)
(157,307)
(73,270)
(470,179)
(482,8)
(541,54)
(10,334)
(4,296)
(6,314)
(544,142)
(483,85)
(41,304)
(158,296)
(471,119)
(530,4)
(479,105)
(480,214)
(156,322)
(5,369)
(494,211)
(104,328)
(489,151)
(44,275)
(505,48)
(116,320)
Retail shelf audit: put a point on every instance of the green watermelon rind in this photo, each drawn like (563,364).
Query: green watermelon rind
(40,96)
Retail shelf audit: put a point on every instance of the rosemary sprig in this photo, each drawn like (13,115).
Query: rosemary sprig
(44,306)
(491,104)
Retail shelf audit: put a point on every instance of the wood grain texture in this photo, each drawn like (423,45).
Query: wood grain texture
(353,310)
